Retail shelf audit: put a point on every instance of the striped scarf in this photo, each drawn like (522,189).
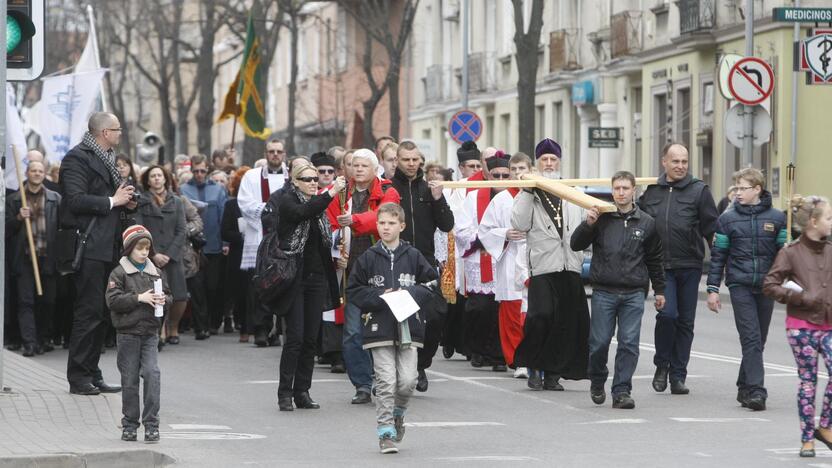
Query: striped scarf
(107,157)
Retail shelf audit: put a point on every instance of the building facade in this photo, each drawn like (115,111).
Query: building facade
(646,67)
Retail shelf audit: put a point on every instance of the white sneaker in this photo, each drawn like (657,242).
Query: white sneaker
(521,373)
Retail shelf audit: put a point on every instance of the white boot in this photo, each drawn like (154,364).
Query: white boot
(521,373)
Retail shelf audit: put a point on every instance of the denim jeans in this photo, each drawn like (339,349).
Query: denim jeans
(752,315)
(395,368)
(608,308)
(138,356)
(356,358)
(674,323)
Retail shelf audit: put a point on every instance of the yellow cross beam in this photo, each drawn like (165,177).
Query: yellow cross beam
(562,188)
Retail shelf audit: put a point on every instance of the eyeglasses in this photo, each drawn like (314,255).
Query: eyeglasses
(200,171)
(743,189)
(308,179)
(326,171)
(113,129)
(276,152)
(500,175)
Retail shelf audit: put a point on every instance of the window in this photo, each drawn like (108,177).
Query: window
(341,40)
(556,132)
(683,117)
(505,127)
(539,123)
(660,128)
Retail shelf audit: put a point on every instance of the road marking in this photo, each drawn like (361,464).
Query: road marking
(650,377)
(197,427)
(507,458)
(617,421)
(703,454)
(453,424)
(210,436)
(718,420)
(259,382)
(522,394)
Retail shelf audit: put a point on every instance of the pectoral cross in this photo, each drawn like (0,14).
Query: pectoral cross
(558,219)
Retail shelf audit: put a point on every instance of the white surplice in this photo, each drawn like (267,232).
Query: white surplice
(492,233)
(466,230)
(250,200)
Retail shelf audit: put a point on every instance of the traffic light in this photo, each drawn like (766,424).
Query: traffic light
(24,39)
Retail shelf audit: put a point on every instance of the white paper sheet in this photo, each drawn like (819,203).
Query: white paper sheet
(401,303)
(792,286)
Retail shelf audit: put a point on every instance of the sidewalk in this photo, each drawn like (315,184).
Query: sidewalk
(42,423)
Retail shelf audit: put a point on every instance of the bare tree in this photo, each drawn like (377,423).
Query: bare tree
(378,19)
(527,45)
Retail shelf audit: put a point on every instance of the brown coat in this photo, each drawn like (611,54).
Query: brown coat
(126,282)
(809,264)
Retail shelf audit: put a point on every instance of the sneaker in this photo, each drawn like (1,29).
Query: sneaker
(128,435)
(623,401)
(756,403)
(535,382)
(597,393)
(398,421)
(742,398)
(151,436)
(386,445)
(361,398)
(521,373)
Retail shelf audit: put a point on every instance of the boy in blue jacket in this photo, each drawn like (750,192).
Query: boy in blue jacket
(392,265)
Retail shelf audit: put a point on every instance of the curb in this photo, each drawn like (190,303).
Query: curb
(123,459)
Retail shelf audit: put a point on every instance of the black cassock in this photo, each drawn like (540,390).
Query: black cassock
(556,331)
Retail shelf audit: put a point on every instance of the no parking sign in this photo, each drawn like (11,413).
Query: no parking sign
(465,126)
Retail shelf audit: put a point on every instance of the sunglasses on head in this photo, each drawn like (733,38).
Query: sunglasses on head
(326,171)
(500,175)
(308,179)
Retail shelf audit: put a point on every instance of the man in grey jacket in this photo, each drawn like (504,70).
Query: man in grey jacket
(556,341)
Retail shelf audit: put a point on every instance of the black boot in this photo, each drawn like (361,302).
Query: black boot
(660,379)
(422,381)
(535,382)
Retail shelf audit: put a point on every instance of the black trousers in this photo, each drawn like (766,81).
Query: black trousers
(89,325)
(215,287)
(239,283)
(35,313)
(260,315)
(453,335)
(199,306)
(64,304)
(433,335)
(303,322)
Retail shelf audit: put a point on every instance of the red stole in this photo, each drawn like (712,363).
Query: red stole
(265,193)
(486,268)
(477,176)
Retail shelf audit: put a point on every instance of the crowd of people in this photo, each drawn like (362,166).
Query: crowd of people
(495,270)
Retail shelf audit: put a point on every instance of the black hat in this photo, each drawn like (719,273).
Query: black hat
(500,159)
(547,146)
(322,159)
(467,152)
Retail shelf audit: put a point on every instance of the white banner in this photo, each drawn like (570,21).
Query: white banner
(60,117)
(14,136)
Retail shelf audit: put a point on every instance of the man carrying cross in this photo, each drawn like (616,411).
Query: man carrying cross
(556,331)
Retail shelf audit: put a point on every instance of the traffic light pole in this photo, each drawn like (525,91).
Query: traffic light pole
(3,388)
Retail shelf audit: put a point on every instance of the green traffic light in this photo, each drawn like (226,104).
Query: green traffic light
(13,33)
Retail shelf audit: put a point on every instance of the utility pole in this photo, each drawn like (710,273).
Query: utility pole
(748,116)
(466,9)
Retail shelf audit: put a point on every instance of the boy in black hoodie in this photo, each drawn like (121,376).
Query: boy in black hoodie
(392,265)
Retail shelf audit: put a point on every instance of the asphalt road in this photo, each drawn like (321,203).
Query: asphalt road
(219,408)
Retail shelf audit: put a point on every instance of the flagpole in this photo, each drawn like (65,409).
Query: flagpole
(94,36)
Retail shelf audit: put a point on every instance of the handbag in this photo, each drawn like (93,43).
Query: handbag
(277,268)
(71,244)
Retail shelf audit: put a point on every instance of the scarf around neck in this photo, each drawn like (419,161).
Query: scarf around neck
(302,231)
(107,157)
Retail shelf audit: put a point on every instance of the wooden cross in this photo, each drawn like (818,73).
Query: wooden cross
(561,188)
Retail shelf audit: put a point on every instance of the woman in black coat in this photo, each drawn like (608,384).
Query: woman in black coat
(302,224)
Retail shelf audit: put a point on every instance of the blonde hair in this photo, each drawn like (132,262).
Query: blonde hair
(302,167)
(807,208)
(753,175)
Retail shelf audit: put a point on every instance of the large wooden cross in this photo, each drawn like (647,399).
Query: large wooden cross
(562,188)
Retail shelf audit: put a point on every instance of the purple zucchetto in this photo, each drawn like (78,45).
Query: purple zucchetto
(547,146)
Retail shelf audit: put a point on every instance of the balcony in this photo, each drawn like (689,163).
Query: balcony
(625,34)
(482,74)
(438,83)
(563,50)
(696,15)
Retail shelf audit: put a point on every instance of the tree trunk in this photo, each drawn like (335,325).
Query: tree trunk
(526,43)
(205,80)
(293,82)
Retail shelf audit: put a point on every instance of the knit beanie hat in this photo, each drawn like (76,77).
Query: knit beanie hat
(132,235)
(322,159)
(468,151)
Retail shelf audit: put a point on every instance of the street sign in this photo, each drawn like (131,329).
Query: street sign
(725,64)
(802,15)
(734,129)
(751,81)
(818,52)
(465,126)
(604,137)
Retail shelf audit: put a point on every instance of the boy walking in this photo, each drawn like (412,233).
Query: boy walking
(392,265)
(132,303)
(627,255)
